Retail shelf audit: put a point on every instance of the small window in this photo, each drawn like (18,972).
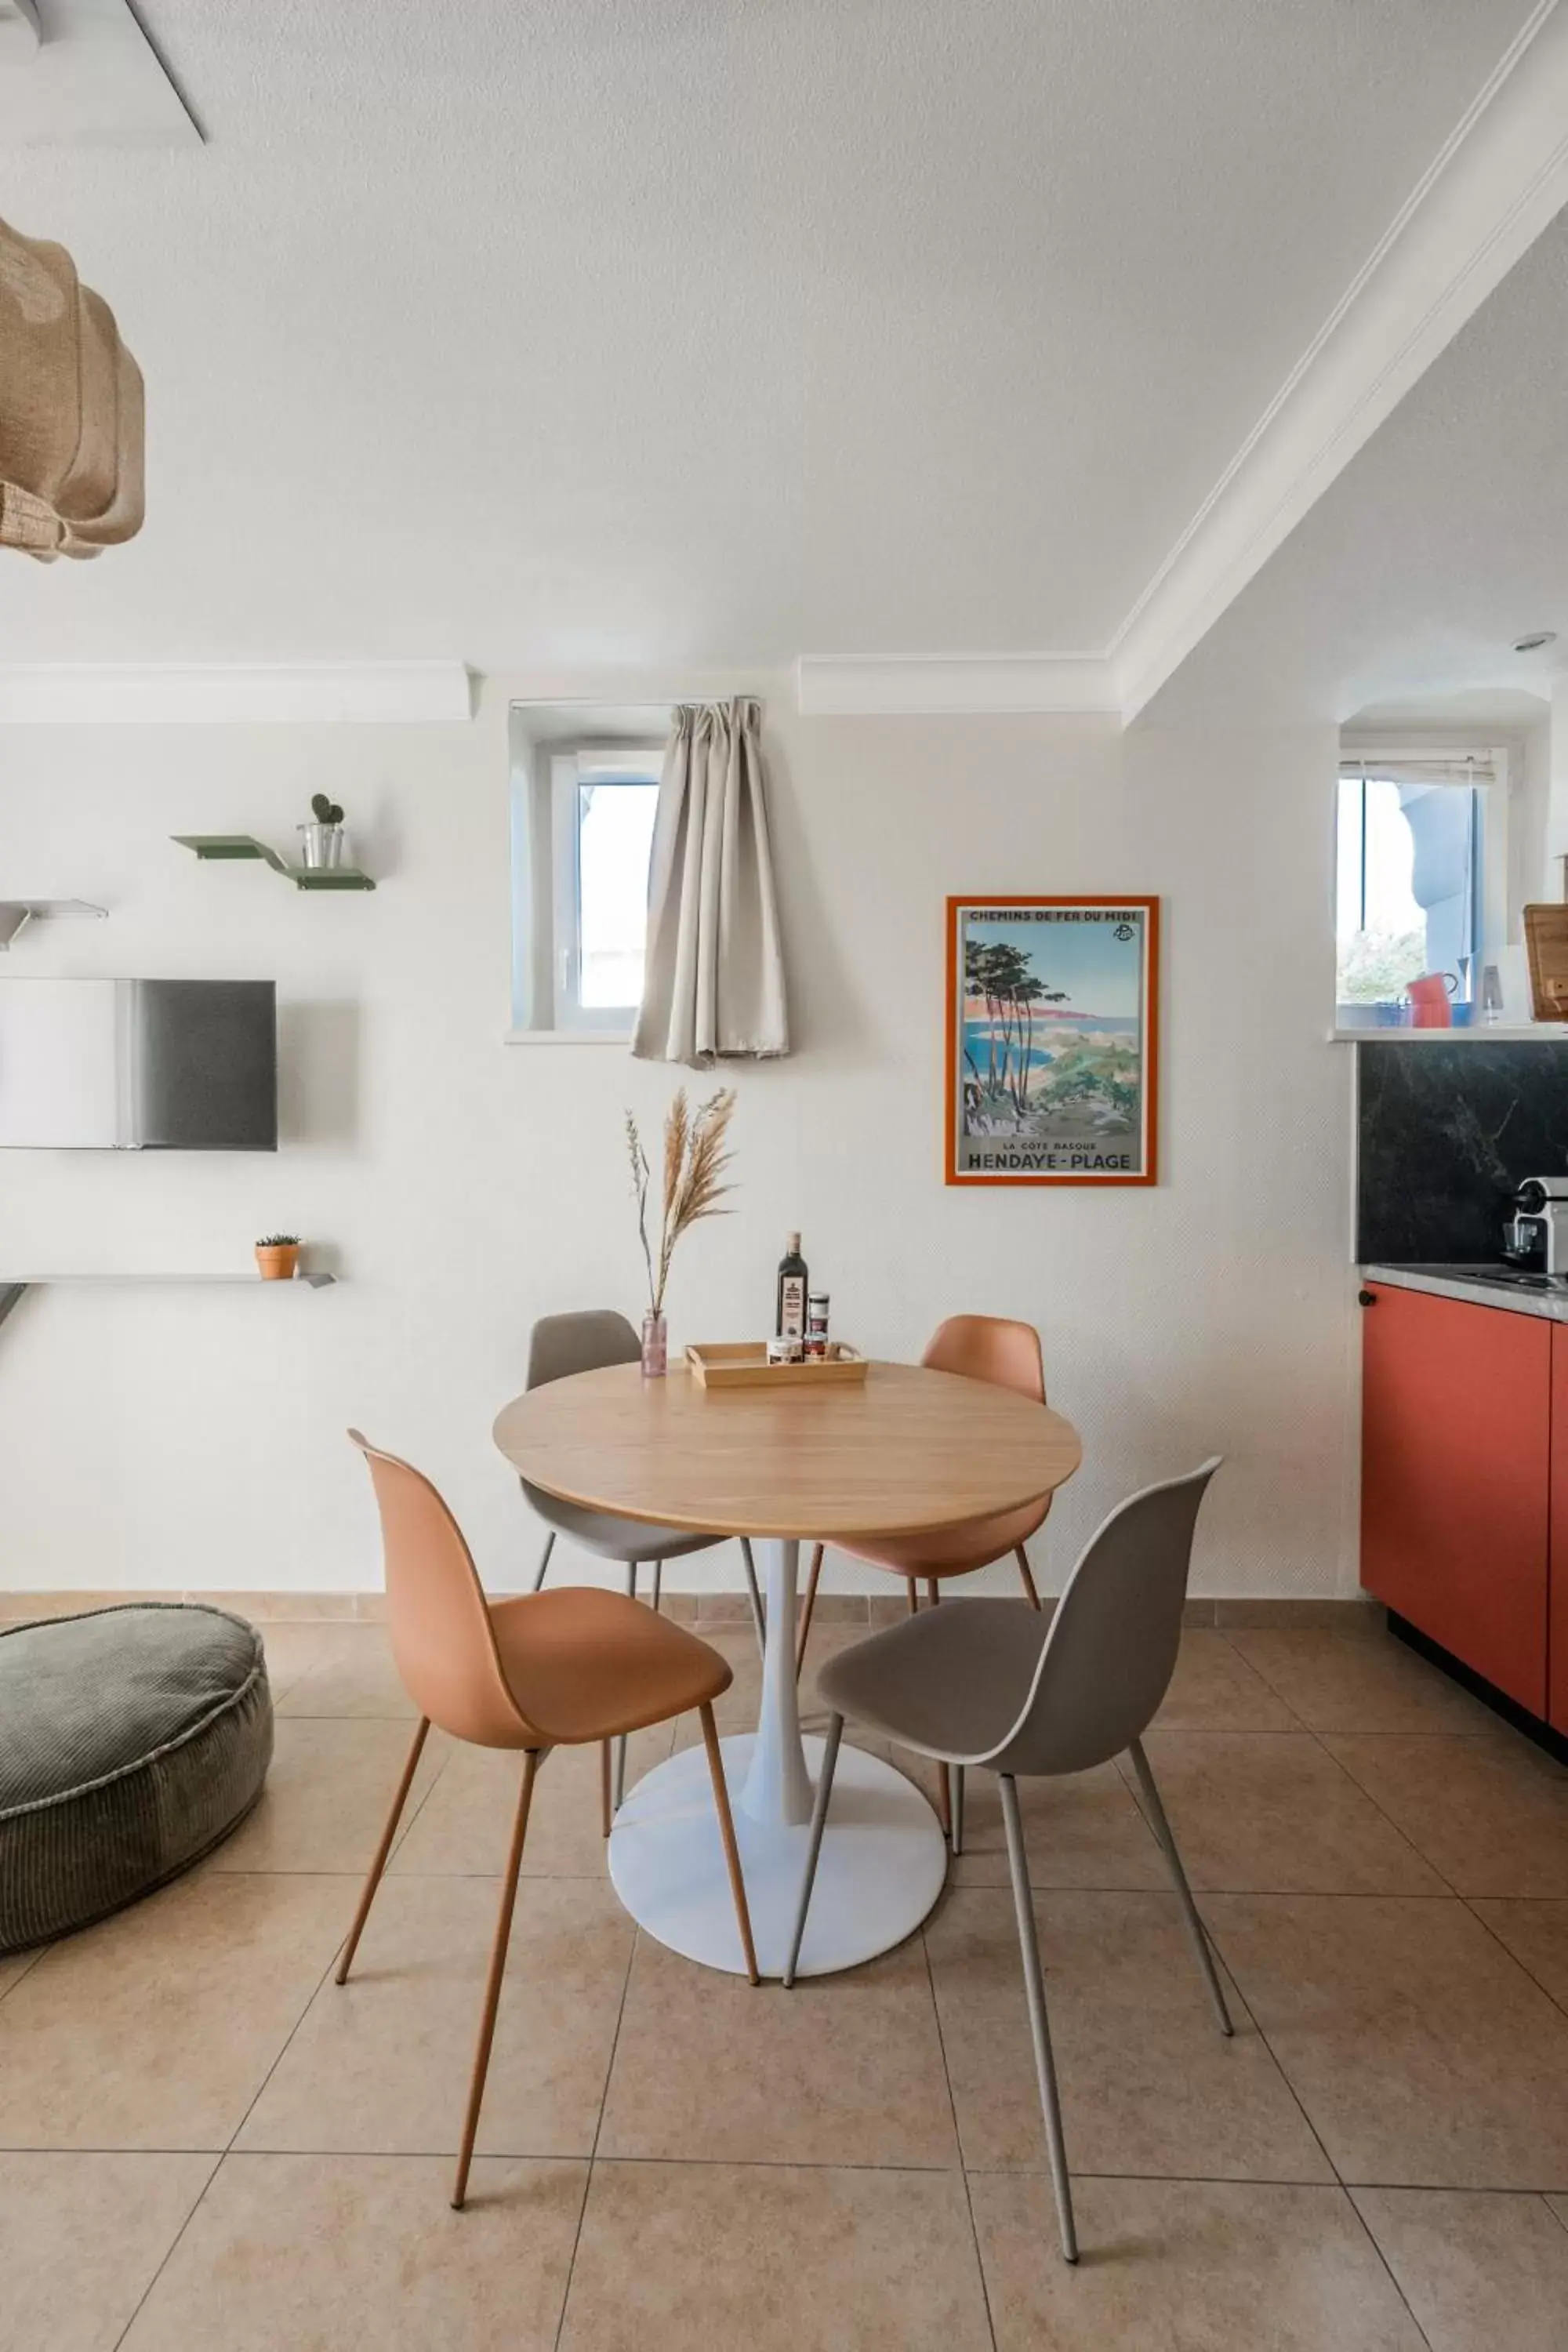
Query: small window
(1409,898)
(584,794)
(602,814)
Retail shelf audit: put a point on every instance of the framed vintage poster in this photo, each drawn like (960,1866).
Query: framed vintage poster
(1052,1043)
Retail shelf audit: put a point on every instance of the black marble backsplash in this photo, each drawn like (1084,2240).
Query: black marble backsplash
(1445,1133)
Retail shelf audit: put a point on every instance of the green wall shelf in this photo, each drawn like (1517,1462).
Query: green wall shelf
(303,878)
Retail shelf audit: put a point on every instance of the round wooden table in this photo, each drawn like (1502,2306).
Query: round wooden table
(908,1453)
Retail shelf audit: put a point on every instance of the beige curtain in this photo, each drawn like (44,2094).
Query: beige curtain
(70,409)
(714,984)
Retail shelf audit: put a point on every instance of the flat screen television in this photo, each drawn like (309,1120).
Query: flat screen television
(139,1065)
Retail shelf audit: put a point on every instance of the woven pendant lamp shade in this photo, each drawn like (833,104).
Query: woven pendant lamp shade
(72,476)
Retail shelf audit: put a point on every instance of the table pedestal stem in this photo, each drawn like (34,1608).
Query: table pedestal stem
(778,1786)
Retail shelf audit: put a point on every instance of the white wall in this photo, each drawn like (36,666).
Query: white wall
(183,1439)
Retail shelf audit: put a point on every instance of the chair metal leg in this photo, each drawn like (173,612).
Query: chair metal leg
(493,1982)
(956,1771)
(384,1849)
(1196,1932)
(658,1584)
(759,1615)
(1030,1592)
(814,1579)
(727,1833)
(632,1568)
(544,1560)
(818,1820)
(606,1809)
(1034,1985)
(943,1794)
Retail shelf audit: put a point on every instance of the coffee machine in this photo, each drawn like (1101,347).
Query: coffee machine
(1536,1235)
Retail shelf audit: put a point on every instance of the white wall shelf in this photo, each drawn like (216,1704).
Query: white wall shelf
(16,914)
(13,1286)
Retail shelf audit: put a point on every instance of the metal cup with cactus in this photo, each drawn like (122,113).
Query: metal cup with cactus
(321,841)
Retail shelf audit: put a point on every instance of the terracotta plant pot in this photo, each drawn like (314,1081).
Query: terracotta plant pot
(277,1260)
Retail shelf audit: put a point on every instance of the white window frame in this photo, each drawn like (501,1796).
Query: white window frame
(569,770)
(1488,766)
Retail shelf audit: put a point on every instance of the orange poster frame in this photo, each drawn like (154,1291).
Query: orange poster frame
(1149,1040)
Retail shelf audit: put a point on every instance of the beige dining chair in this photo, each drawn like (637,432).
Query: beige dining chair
(586,1342)
(543,1670)
(988,1684)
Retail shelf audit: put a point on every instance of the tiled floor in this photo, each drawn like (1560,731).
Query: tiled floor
(204,2143)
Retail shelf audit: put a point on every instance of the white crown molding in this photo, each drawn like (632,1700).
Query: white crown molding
(70,694)
(968,683)
(1493,187)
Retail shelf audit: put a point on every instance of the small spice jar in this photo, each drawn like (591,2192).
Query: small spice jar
(817,1323)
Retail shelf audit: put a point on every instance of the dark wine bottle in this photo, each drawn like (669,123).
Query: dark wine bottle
(791,1292)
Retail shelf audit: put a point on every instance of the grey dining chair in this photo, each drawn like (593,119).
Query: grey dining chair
(986,1682)
(559,1346)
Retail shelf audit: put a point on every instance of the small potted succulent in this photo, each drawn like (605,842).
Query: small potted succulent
(278,1256)
(321,841)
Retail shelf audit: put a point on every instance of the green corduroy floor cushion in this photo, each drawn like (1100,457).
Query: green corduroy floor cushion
(131,1741)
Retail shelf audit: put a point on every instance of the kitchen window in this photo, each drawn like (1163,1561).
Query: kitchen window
(1411,881)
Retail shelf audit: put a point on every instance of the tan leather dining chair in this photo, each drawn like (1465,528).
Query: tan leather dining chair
(983,1684)
(541,1671)
(977,1348)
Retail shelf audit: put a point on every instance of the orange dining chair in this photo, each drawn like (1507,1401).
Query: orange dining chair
(977,1348)
(545,1670)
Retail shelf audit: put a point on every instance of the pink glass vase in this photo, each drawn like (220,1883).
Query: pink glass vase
(655,1346)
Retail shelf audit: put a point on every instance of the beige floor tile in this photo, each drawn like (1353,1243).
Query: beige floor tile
(15,1969)
(677,2257)
(1362,1618)
(293,1651)
(1537,1935)
(1271,1813)
(1149,2083)
(1083,1830)
(1490,1813)
(844,2069)
(1422,2053)
(464,1827)
(1478,2271)
(362,2254)
(1184,2266)
(350,1674)
(326,1795)
(266,1609)
(382,2063)
(1215,1689)
(157,2028)
(1560,2207)
(81,2238)
(1343,1682)
(715,1610)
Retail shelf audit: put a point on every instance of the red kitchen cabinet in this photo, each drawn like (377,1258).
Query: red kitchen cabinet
(1458,1465)
(1557,1624)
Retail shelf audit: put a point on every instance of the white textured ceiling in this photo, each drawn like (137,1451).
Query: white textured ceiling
(710,332)
(1444,540)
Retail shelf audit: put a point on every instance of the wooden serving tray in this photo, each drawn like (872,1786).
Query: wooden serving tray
(744,1364)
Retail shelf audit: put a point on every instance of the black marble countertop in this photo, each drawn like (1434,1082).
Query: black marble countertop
(1484,1285)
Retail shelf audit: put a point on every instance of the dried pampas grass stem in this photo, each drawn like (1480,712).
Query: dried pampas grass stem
(695,1159)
